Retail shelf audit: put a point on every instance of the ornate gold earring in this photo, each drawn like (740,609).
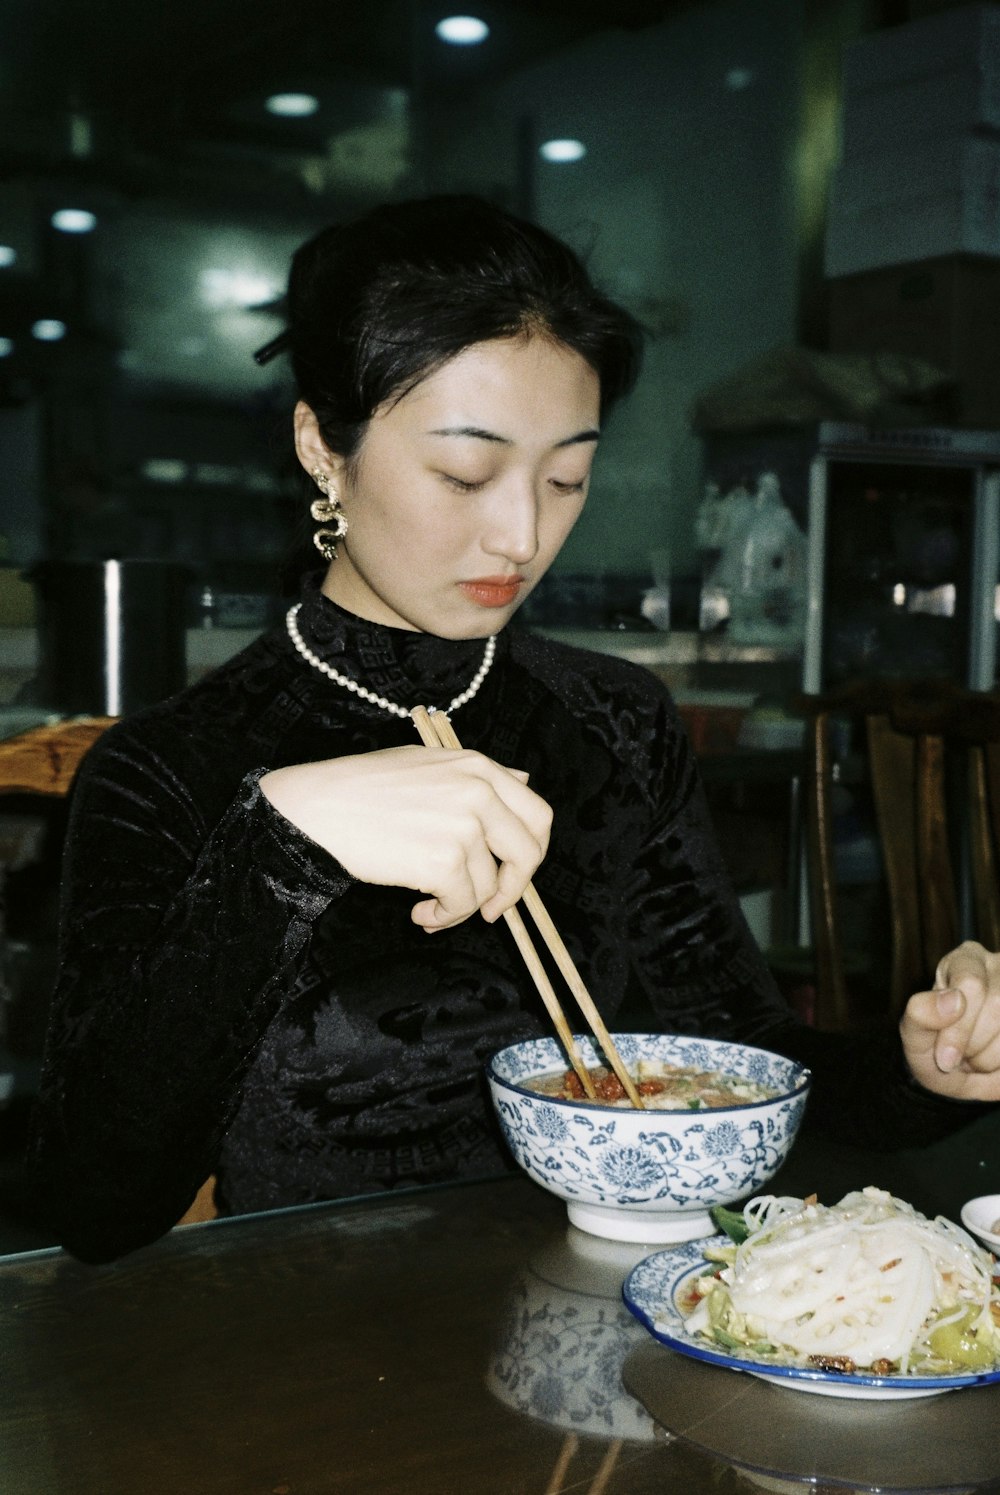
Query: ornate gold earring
(328,515)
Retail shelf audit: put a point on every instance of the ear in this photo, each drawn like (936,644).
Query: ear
(310,447)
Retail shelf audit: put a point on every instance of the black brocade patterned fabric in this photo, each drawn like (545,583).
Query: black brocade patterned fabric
(230,1000)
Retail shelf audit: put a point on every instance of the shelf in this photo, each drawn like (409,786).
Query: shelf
(675,648)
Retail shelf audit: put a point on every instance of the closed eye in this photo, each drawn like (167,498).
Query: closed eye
(459,484)
(464,485)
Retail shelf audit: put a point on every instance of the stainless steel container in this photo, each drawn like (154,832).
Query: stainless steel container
(111,633)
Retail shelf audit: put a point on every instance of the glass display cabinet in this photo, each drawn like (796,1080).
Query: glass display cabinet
(903,551)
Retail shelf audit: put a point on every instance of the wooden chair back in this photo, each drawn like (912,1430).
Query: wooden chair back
(202,1206)
(44,760)
(922,738)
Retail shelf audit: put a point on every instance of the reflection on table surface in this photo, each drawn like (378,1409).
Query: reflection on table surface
(446,1340)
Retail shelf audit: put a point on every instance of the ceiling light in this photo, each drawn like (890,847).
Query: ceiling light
(74,221)
(462,31)
(164,469)
(221,288)
(222,474)
(562,150)
(292,105)
(739,78)
(48,330)
(6,347)
(7,256)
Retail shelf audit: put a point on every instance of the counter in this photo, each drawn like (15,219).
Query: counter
(688,662)
(692,663)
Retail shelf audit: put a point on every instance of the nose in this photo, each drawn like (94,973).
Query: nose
(512,527)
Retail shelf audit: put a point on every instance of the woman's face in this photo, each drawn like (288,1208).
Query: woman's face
(463,491)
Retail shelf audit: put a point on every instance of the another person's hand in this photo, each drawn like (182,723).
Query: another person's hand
(453,825)
(951,1035)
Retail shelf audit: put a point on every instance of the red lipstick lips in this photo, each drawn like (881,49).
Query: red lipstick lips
(493,591)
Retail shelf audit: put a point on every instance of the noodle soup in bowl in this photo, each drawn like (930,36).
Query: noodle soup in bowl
(649,1175)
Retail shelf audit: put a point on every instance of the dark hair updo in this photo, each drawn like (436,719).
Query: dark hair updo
(377,304)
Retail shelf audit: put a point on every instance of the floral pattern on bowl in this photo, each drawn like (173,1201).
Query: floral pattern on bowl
(648,1175)
(558,1359)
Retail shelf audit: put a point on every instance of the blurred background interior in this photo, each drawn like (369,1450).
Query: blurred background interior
(798,198)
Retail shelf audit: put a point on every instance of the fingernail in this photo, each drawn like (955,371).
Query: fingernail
(949,1003)
(948,1058)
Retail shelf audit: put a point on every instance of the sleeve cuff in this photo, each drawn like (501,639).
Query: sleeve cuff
(292,856)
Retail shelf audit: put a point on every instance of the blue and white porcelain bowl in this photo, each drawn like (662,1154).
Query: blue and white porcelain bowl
(648,1175)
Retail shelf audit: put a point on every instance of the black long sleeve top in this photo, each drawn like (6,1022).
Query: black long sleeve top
(230,1000)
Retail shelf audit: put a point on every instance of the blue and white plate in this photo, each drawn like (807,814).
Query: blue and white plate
(655,1289)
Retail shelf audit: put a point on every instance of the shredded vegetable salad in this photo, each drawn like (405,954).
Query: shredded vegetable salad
(867,1285)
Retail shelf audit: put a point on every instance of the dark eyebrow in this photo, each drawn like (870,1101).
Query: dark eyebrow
(480,435)
(475,431)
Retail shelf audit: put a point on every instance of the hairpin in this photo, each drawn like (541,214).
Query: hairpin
(273,348)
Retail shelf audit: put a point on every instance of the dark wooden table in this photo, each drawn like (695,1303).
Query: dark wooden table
(459,1340)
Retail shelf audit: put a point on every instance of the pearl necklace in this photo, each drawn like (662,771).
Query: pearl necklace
(369,695)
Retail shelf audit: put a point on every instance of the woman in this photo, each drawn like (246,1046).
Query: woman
(254,867)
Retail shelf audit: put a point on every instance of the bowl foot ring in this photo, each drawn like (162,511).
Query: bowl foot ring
(649,1226)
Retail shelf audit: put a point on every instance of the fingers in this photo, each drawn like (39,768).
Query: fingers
(519,847)
(983,1058)
(512,880)
(511,786)
(936,1026)
(951,1036)
(973,1039)
(460,878)
(489,861)
(970,967)
(509,826)
(453,825)
(429,915)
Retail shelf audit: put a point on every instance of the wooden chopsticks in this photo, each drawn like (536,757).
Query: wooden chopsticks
(437,731)
(567,1453)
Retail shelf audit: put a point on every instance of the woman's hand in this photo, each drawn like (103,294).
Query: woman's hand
(951,1035)
(453,825)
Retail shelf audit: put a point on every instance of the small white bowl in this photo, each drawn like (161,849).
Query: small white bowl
(980,1215)
(648,1175)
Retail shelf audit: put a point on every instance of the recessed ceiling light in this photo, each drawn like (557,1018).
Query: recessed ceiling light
(6,347)
(7,256)
(562,150)
(292,105)
(74,221)
(462,31)
(48,330)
